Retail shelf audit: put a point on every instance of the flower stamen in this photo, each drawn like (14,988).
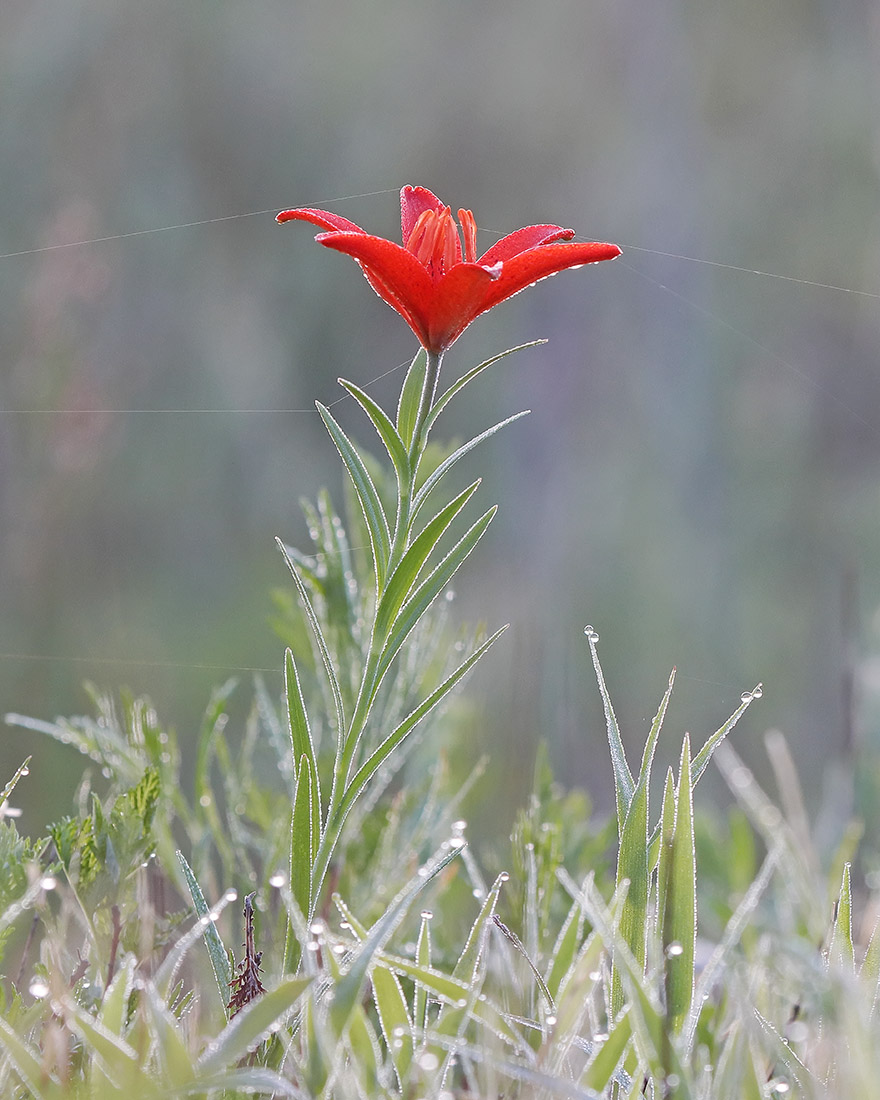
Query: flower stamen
(469,233)
(434,241)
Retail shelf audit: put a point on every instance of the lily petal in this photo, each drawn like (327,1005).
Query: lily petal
(324,219)
(530,236)
(539,263)
(414,201)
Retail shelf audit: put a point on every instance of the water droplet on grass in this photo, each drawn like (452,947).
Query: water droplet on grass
(673,950)
(38,989)
(278,879)
(592,636)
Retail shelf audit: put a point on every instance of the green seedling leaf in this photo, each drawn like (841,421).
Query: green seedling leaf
(365,1054)
(216,950)
(632,869)
(564,950)
(410,397)
(10,786)
(113,1007)
(600,1069)
(447,464)
(368,498)
(423,960)
(468,376)
(249,1027)
(301,844)
(667,833)
(624,784)
(302,744)
(401,581)
(28,1065)
(840,951)
(348,990)
(387,432)
(701,760)
(176,1065)
(118,1060)
(394,1019)
(680,904)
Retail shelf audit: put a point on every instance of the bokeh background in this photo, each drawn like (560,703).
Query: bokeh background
(699,477)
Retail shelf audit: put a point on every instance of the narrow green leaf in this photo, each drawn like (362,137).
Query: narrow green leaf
(410,397)
(468,376)
(10,786)
(564,950)
(365,1057)
(664,848)
(457,995)
(401,581)
(115,1002)
(605,1061)
(632,868)
(423,959)
(175,1063)
(428,591)
(394,1019)
(701,760)
(624,784)
(680,908)
(251,1025)
(387,432)
(323,648)
(28,1064)
(301,841)
(368,498)
(119,1061)
(840,951)
(216,950)
(301,741)
(348,990)
(384,750)
(444,467)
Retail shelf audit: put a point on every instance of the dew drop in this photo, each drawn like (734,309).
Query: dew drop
(38,989)
(427,914)
(458,826)
(278,880)
(746,697)
(48,882)
(758,691)
(457,842)
(600,1037)
(428,1061)
(25,771)
(205,800)
(313,946)
(338,948)
(674,949)
(504,877)
(477,893)
(592,636)
(550,1021)
(231,894)
(344,925)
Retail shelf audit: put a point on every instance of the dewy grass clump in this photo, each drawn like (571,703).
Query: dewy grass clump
(378,958)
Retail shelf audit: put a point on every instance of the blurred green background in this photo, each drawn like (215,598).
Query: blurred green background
(700,475)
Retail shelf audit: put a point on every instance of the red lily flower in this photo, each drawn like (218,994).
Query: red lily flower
(435,285)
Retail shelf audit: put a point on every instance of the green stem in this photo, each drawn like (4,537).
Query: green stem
(426,403)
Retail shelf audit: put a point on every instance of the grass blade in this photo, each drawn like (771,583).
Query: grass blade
(216,950)
(301,742)
(368,498)
(386,430)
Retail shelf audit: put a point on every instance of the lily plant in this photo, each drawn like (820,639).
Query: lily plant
(437,283)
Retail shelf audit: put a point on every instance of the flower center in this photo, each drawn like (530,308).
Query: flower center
(435,243)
